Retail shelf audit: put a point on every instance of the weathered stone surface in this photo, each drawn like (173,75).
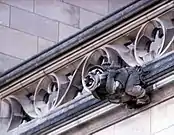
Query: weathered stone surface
(131,126)
(117,4)
(7,62)
(65,31)
(134,126)
(23,4)
(4,14)
(44,44)
(58,11)
(97,6)
(80,121)
(34,24)
(17,43)
(162,116)
(86,18)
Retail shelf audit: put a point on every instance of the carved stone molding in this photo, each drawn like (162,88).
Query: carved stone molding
(137,47)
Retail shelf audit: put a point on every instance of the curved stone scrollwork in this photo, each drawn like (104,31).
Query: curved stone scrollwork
(11,113)
(49,93)
(152,40)
(93,66)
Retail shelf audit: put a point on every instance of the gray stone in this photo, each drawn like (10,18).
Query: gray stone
(65,31)
(134,125)
(44,44)
(23,4)
(131,126)
(34,24)
(17,43)
(117,4)
(162,116)
(86,18)
(58,11)
(97,6)
(4,14)
(7,62)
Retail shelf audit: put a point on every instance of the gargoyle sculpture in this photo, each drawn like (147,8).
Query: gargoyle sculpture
(118,85)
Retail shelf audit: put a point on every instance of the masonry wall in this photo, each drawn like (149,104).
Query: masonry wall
(29,26)
(159,120)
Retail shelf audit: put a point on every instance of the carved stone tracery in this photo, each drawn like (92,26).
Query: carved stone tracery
(138,47)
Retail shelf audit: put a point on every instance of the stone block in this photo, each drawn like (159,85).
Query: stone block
(44,44)
(16,43)
(97,6)
(34,24)
(65,31)
(59,11)
(86,18)
(7,62)
(136,125)
(117,4)
(162,116)
(23,4)
(4,14)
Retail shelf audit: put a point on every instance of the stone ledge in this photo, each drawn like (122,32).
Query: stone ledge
(61,116)
(119,113)
(81,111)
(85,35)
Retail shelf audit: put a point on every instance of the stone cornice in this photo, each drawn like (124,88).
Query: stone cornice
(88,111)
(45,93)
(94,115)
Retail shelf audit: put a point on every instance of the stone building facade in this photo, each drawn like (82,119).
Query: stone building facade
(31,26)
(47,92)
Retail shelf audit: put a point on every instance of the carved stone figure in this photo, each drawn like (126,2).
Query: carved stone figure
(118,85)
(111,72)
